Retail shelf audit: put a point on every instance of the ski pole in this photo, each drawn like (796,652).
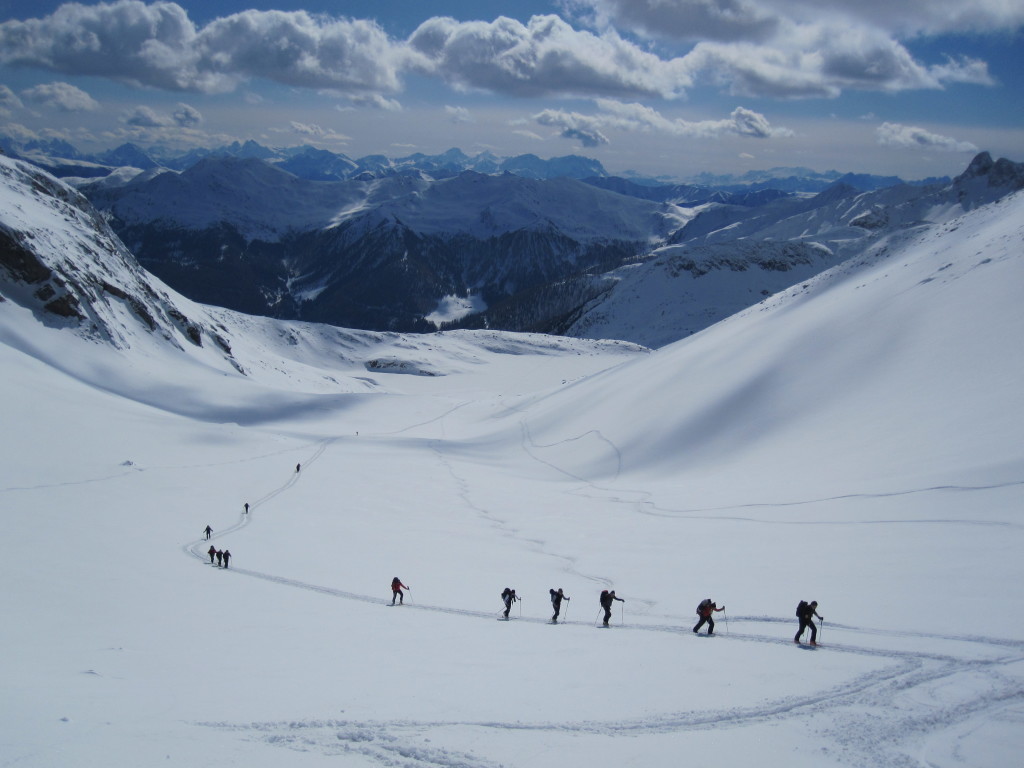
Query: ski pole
(566,616)
(597,616)
(622,614)
(821,628)
(520,607)
(726,617)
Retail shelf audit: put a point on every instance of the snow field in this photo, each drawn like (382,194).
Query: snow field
(856,442)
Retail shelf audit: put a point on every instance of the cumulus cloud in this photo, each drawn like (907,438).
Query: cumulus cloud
(724,20)
(62,96)
(808,48)
(376,101)
(314,131)
(912,137)
(544,57)
(158,45)
(753,20)
(459,114)
(144,117)
(614,115)
(184,116)
(586,129)
(772,48)
(187,116)
(9,99)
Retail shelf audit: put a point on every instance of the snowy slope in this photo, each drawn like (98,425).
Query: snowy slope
(727,257)
(855,441)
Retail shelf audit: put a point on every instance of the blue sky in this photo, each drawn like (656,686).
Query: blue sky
(660,87)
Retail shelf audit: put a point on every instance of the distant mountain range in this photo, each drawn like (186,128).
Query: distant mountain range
(555,256)
(313,164)
(416,244)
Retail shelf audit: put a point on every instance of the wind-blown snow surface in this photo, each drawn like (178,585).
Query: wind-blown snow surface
(856,441)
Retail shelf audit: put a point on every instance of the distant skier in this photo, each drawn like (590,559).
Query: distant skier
(297,468)
(704,610)
(556,601)
(220,558)
(806,612)
(606,603)
(396,591)
(212,553)
(247,507)
(509,597)
(227,556)
(208,531)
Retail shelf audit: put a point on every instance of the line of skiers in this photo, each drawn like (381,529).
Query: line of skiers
(706,609)
(222,556)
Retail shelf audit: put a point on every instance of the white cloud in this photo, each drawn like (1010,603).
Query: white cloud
(144,117)
(307,129)
(528,134)
(571,125)
(459,114)
(544,57)
(19,132)
(9,99)
(62,96)
(376,101)
(613,115)
(186,116)
(314,131)
(764,48)
(758,20)
(158,45)
(809,48)
(912,137)
(723,20)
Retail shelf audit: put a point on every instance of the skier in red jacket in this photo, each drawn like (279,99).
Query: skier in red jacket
(704,610)
(396,591)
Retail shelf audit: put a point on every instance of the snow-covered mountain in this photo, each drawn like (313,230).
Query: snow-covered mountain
(377,253)
(564,256)
(63,267)
(853,440)
(730,257)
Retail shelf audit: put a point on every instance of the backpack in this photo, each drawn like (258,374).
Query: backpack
(801,609)
(704,605)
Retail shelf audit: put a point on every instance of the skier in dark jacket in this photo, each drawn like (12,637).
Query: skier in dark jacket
(212,552)
(606,603)
(227,556)
(208,530)
(704,610)
(556,601)
(396,591)
(220,557)
(806,612)
(508,596)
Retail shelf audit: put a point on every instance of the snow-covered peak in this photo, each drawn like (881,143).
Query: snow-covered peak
(484,206)
(62,262)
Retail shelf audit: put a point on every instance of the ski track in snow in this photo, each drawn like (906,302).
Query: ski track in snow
(874,722)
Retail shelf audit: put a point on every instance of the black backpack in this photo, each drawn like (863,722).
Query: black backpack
(704,604)
(801,609)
